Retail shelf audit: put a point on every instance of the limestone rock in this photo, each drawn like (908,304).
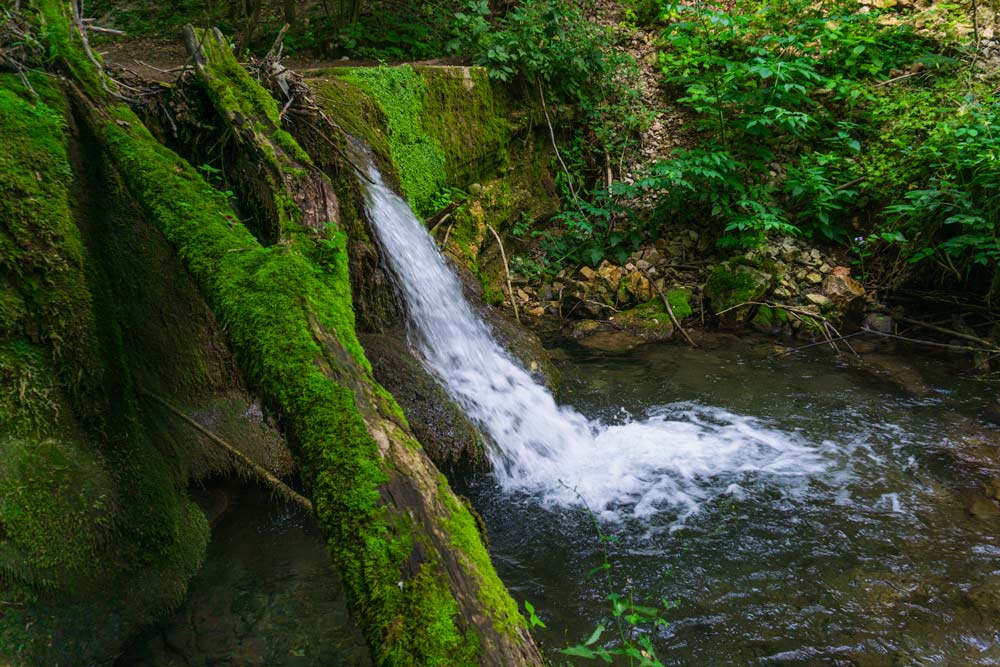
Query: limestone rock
(847,294)
(878,322)
(819,300)
(609,275)
(603,336)
(639,286)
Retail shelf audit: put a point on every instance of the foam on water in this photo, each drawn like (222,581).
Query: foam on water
(671,461)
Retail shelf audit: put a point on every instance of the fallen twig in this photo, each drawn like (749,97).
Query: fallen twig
(109,31)
(555,147)
(673,318)
(101,75)
(947,332)
(447,233)
(946,346)
(261,472)
(274,53)
(506,270)
(801,315)
(821,342)
(442,215)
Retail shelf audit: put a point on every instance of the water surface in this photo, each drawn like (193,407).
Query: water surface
(879,550)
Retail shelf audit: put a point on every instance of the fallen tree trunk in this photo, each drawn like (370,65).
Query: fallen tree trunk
(421,582)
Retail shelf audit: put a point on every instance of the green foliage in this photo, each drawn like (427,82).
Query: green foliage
(141,18)
(955,217)
(392,32)
(547,41)
(781,92)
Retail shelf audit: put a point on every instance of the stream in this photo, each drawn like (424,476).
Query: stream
(880,550)
(784,510)
(780,510)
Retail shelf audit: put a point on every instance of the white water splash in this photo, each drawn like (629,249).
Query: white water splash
(672,461)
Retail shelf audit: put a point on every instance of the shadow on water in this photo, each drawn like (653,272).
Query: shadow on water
(266,596)
(887,554)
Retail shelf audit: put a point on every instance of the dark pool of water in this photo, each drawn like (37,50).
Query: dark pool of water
(889,556)
(267,596)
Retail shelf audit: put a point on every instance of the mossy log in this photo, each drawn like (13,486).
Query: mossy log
(423,587)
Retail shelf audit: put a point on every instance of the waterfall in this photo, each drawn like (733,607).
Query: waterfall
(673,460)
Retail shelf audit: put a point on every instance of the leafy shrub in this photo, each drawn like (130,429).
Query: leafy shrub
(780,93)
(954,218)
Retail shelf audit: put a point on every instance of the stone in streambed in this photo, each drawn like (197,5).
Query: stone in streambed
(985,597)
(879,322)
(819,300)
(603,336)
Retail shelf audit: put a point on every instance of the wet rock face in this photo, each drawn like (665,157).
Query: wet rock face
(604,336)
(441,427)
(845,294)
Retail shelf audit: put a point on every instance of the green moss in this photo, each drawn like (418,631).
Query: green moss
(729,285)
(419,159)
(467,117)
(764,317)
(432,609)
(64,43)
(654,308)
(355,111)
(90,516)
(679,300)
(464,533)
(57,500)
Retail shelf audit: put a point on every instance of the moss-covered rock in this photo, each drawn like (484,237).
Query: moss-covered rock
(96,531)
(731,284)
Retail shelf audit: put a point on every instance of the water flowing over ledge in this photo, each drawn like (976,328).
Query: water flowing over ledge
(673,460)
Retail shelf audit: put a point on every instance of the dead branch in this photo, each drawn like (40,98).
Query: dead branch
(947,332)
(274,53)
(801,315)
(506,270)
(172,70)
(101,75)
(260,471)
(946,346)
(822,342)
(97,28)
(673,318)
(435,220)
(552,135)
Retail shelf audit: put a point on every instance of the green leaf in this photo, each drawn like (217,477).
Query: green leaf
(579,651)
(595,635)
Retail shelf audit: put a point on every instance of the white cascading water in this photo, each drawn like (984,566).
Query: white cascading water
(672,461)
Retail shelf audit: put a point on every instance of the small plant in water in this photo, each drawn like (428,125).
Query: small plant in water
(632,624)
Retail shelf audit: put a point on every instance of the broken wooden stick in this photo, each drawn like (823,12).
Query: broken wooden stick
(258,470)
(506,270)
(673,318)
